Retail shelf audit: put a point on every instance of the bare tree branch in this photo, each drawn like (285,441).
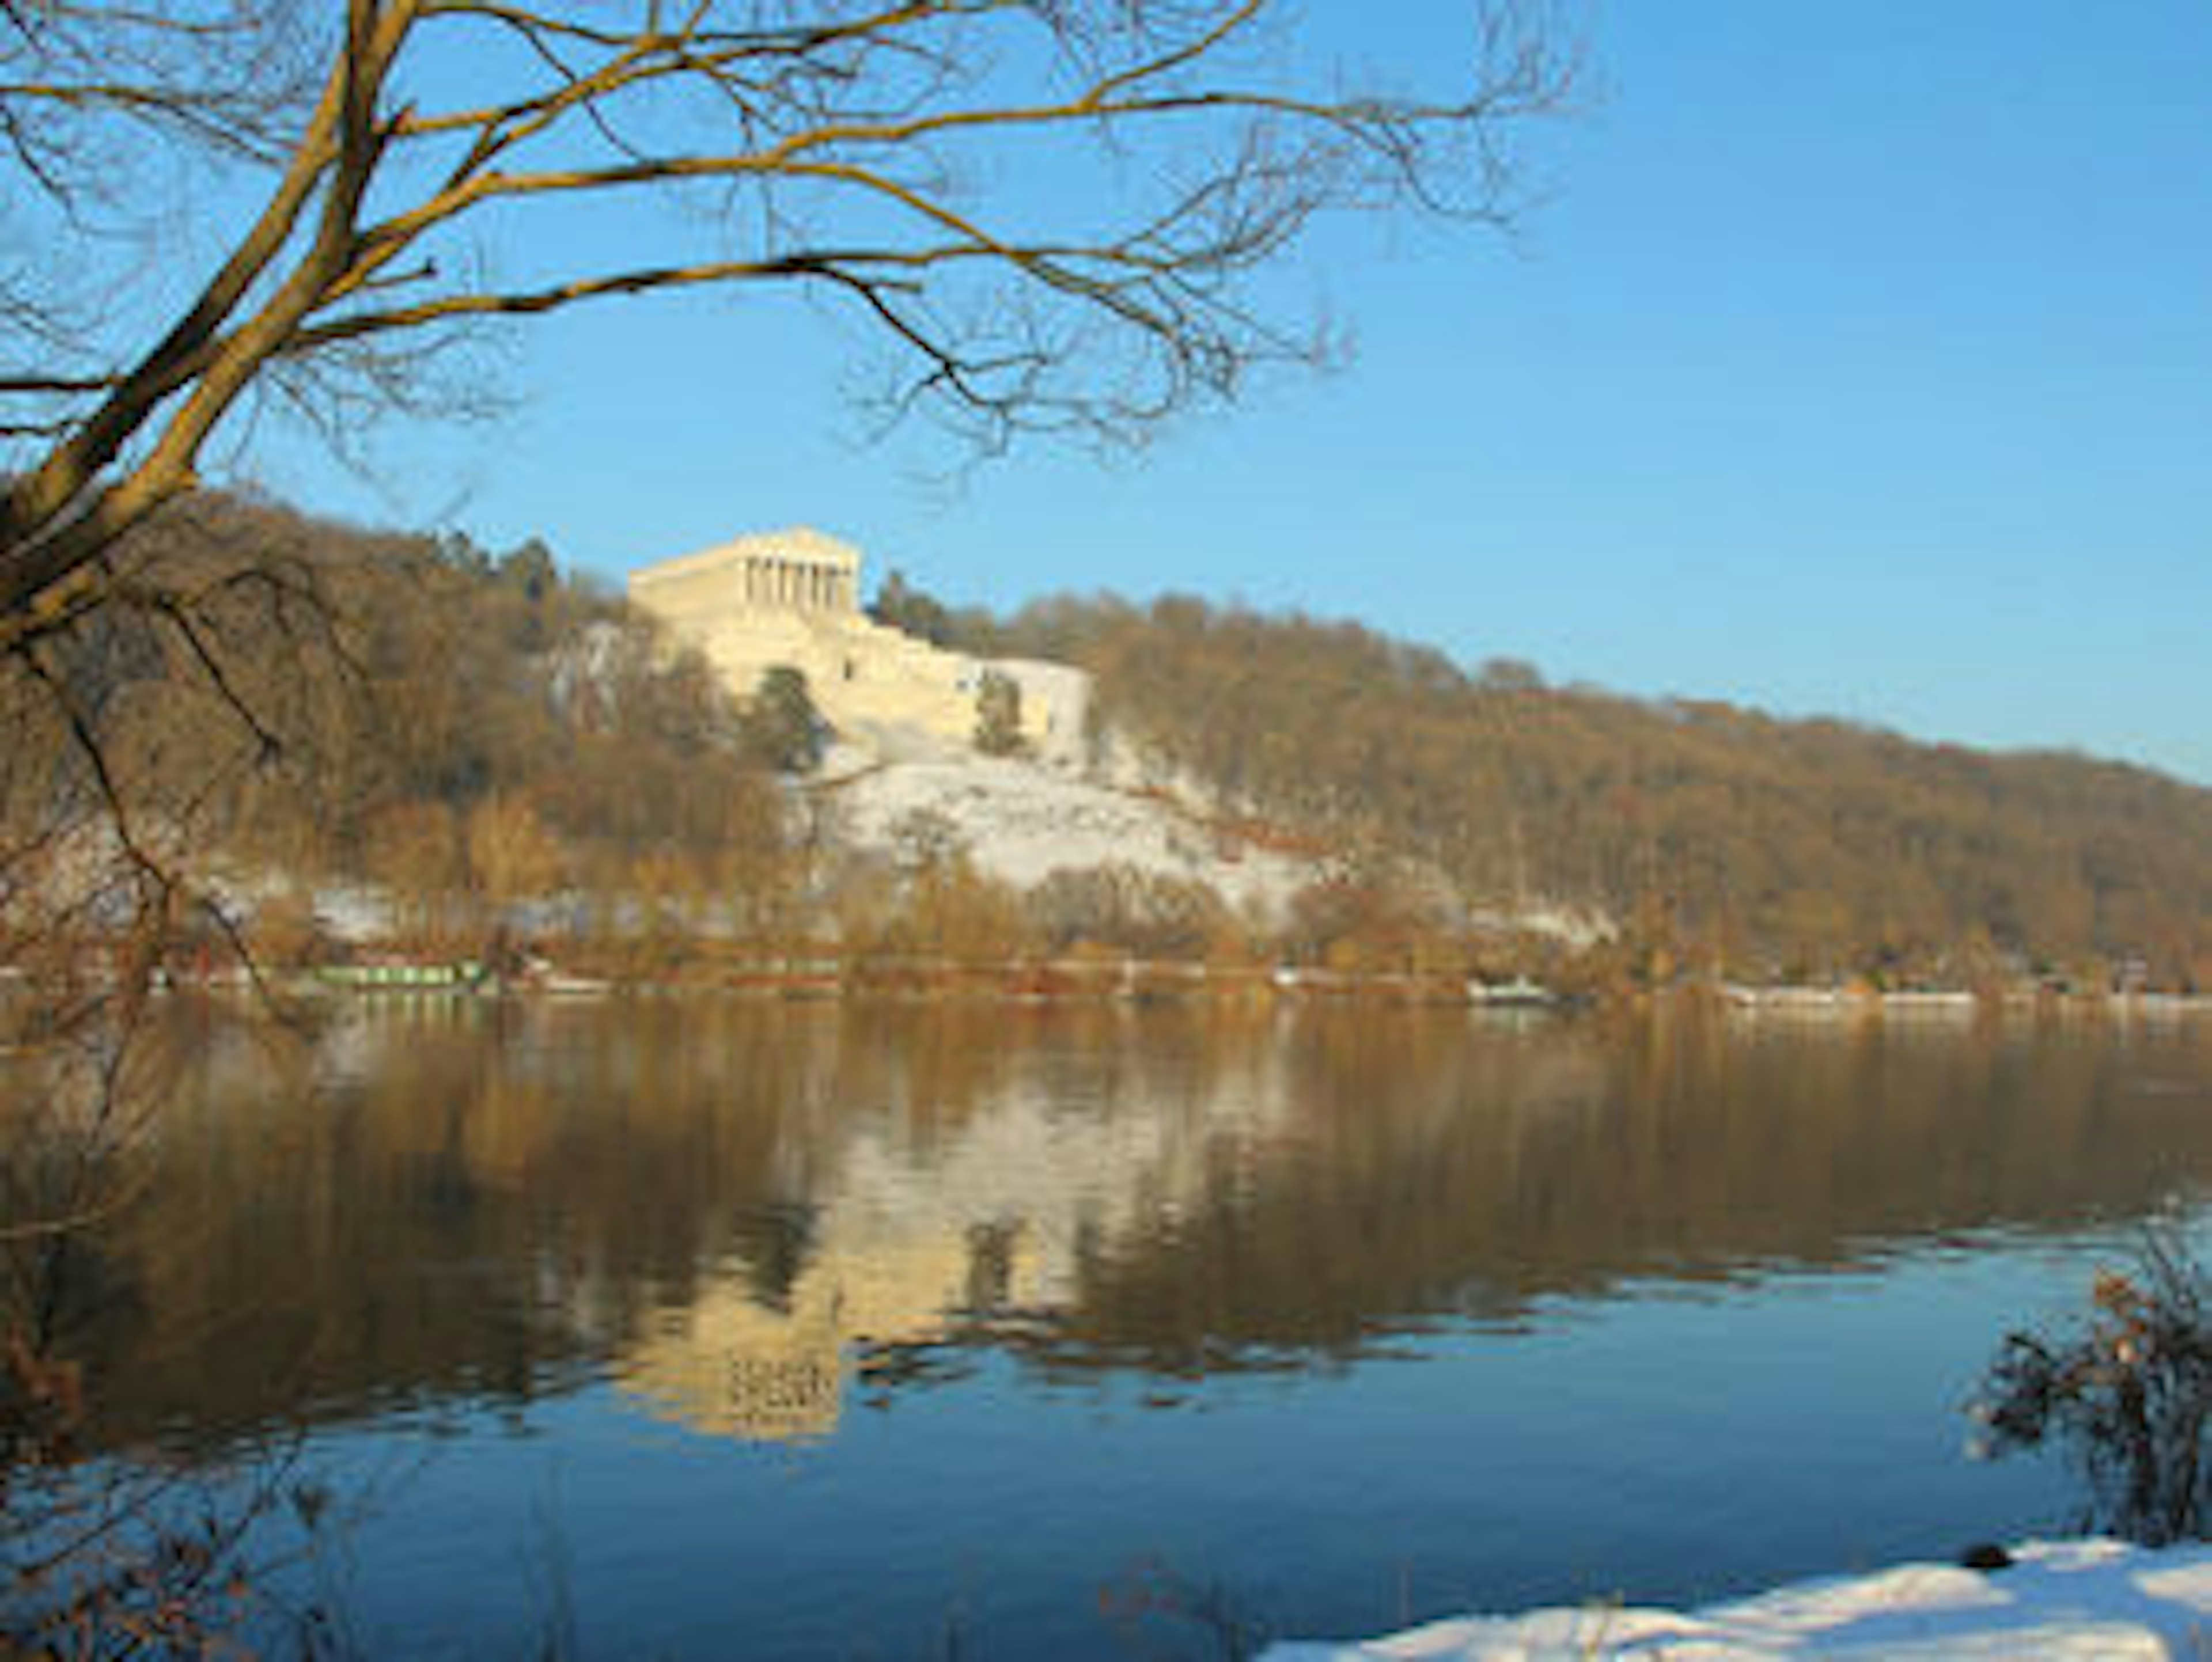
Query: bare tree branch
(1180,147)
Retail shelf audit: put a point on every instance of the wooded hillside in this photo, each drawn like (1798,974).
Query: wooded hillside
(302,698)
(1717,834)
(472,733)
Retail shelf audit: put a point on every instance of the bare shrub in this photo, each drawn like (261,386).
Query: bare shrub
(2124,1393)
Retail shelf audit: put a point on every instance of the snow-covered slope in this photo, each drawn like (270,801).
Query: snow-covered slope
(1069,804)
(1019,821)
(2067,1601)
(1080,799)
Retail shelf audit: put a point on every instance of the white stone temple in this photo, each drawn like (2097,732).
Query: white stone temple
(793,598)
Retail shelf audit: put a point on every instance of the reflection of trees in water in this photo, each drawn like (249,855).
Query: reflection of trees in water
(475,1205)
(480,1202)
(1432,1179)
(940,1223)
(475,1199)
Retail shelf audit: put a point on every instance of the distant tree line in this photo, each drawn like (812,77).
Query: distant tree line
(1717,836)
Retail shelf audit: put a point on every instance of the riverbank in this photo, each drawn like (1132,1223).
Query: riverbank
(608,969)
(2056,1600)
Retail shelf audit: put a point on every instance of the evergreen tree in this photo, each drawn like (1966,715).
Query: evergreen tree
(786,731)
(999,715)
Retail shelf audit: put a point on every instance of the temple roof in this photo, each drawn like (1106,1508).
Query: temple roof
(803,544)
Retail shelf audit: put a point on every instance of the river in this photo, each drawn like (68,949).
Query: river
(695,1327)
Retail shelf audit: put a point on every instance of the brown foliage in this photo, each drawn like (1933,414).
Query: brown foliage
(468,731)
(2127,1394)
(1726,836)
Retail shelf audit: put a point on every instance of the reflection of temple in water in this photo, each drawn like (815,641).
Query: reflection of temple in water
(909,1238)
(734,1364)
(783,1398)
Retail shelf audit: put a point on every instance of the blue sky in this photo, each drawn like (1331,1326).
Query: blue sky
(1860,363)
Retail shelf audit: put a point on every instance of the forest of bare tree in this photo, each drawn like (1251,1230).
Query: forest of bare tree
(1718,836)
(474,737)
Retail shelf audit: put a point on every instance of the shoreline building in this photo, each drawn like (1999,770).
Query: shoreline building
(793,598)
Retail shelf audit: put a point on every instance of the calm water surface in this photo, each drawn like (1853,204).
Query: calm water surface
(700,1328)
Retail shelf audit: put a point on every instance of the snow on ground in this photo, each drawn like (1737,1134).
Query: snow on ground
(1082,799)
(2068,1601)
(1019,821)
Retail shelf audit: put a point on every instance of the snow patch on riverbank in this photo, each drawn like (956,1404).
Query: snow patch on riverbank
(2066,1600)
